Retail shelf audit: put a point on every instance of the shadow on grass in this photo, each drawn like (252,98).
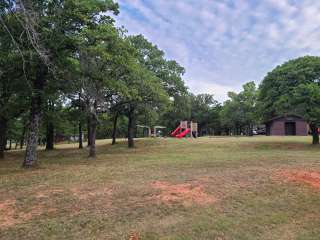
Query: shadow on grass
(70,154)
(285,146)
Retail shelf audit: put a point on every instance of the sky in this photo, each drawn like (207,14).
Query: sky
(225,43)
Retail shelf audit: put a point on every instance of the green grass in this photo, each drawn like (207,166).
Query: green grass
(72,197)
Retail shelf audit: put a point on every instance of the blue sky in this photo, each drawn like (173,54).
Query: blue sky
(226,43)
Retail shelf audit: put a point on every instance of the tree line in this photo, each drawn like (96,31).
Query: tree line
(67,70)
(65,62)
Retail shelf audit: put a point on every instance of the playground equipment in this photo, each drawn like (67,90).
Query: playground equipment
(156,130)
(149,129)
(186,128)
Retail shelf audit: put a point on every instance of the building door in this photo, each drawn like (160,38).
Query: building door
(290,128)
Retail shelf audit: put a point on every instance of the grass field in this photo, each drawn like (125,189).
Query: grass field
(209,188)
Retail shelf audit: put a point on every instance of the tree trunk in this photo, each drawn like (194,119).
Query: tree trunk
(92,152)
(80,121)
(89,131)
(131,129)
(33,135)
(250,130)
(35,118)
(93,130)
(22,136)
(114,131)
(3,138)
(50,136)
(50,126)
(80,135)
(315,134)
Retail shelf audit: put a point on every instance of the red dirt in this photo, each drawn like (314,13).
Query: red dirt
(87,193)
(48,193)
(10,216)
(134,236)
(7,213)
(92,197)
(187,194)
(301,176)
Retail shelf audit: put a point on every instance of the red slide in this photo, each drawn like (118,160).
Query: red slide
(185,132)
(175,132)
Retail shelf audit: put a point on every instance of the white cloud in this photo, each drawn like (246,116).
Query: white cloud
(219,91)
(223,44)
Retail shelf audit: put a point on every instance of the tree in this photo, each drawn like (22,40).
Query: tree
(230,115)
(146,91)
(248,102)
(307,99)
(63,61)
(294,87)
(98,51)
(239,113)
(179,109)
(49,36)
(202,106)
(13,87)
(169,74)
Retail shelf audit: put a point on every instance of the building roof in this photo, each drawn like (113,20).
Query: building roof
(284,116)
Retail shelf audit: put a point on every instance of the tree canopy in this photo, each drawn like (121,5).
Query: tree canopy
(293,87)
(68,56)
(67,72)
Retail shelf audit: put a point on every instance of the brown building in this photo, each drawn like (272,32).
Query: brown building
(288,125)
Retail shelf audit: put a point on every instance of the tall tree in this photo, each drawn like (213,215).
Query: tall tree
(239,113)
(169,74)
(50,29)
(146,91)
(13,88)
(293,87)
(201,111)
(105,58)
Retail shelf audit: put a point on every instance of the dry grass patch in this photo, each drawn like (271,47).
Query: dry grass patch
(209,188)
(11,215)
(89,193)
(311,178)
(134,236)
(186,194)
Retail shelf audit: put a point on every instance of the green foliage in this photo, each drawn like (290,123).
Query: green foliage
(169,72)
(307,100)
(239,113)
(205,110)
(179,109)
(292,88)
(92,69)
(13,87)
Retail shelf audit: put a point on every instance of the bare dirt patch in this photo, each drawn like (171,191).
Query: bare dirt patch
(93,198)
(87,193)
(311,178)
(48,193)
(10,215)
(134,236)
(187,194)
(7,213)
